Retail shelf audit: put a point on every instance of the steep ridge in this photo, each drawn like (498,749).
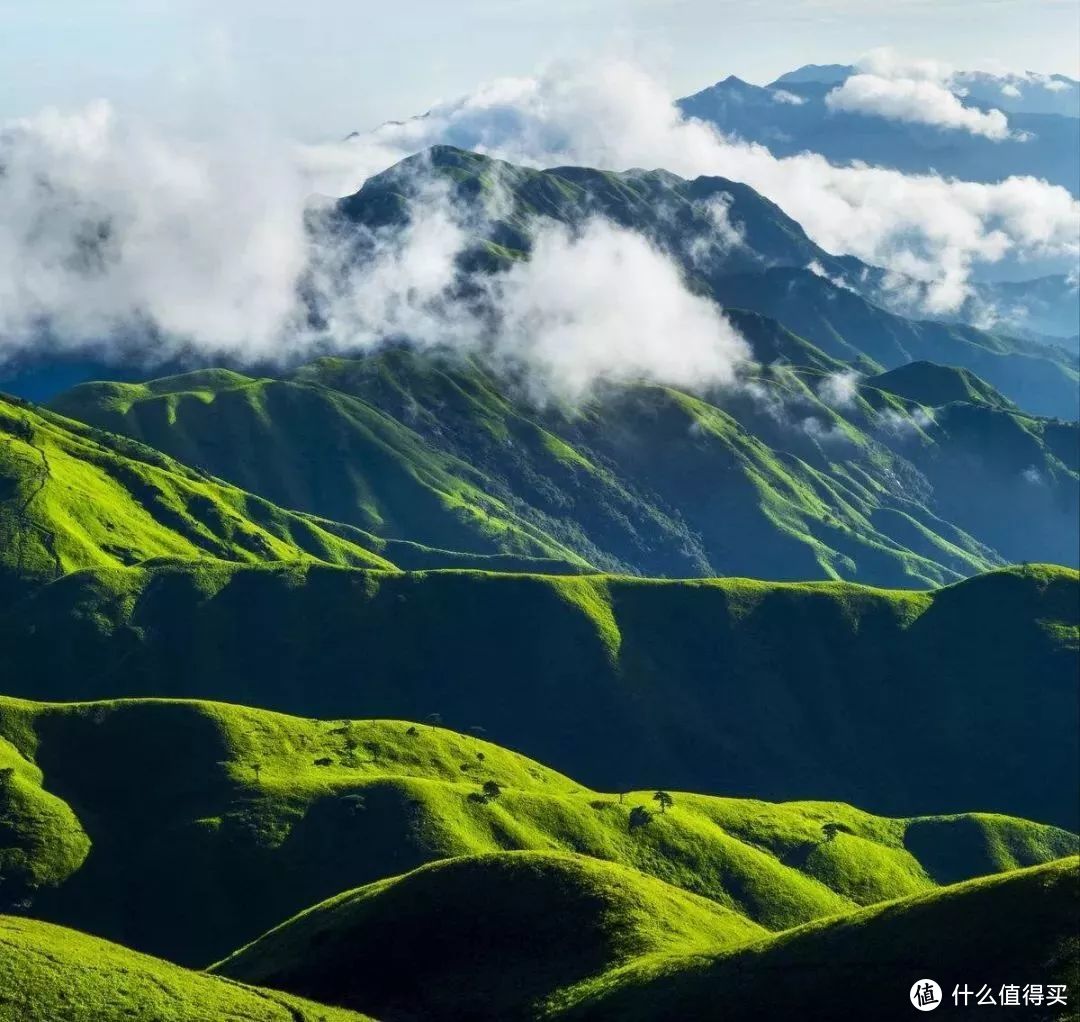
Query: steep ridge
(197,826)
(769,480)
(772,690)
(73,497)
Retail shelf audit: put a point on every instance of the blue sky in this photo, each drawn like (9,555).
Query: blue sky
(319,68)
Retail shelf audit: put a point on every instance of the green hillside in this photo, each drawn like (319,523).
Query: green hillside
(186,829)
(640,480)
(1019,928)
(1041,380)
(72,497)
(51,974)
(772,690)
(928,383)
(317,450)
(486,938)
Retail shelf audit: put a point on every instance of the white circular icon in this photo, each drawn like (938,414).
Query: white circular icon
(925,995)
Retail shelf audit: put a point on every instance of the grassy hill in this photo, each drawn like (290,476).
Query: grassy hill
(928,383)
(73,497)
(185,829)
(641,479)
(523,936)
(49,974)
(899,701)
(1015,929)
(484,938)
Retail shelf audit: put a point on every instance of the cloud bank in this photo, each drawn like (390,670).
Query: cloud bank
(916,102)
(112,228)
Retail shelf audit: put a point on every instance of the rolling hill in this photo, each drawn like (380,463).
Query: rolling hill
(771,690)
(770,480)
(49,973)
(985,933)
(185,829)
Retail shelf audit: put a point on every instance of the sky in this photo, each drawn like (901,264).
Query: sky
(321,68)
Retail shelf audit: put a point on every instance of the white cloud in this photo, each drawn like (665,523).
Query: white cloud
(917,101)
(111,227)
(613,116)
(783,96)
(1010,90)
(839,390)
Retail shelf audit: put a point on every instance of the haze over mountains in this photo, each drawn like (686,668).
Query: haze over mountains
(542,583)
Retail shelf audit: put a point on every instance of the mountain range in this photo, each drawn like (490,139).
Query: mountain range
(393,682)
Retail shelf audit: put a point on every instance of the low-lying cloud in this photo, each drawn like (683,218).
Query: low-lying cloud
(112,228)
(916,102)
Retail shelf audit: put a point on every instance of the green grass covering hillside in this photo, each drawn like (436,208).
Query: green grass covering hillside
(317,450)
(898,701)
(209,823)
(73,497)
(640,479)
(935,385)
(1015,929)
(51,974)
(482,938)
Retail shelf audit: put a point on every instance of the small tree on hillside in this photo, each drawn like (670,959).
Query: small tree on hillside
(830,830)
(663,800)
(491,789)
(639,817)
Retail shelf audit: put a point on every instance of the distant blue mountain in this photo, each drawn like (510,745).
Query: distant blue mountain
(791,116)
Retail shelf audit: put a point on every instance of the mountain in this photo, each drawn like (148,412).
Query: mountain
(732,244)
(1042,380)
(792,116)
(73,497)
(769,479)
(521,926)
(186,829)
(48,973)
(977,935)
(772,690)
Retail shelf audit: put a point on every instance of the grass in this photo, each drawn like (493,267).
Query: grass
(200,825)
(768,690)
(639,479)
(1018,928)
(500,933)
(48,973)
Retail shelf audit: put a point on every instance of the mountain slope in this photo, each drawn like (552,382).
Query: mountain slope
(848,327)
(72,497)
(767,689)
(1015,929)
(722,234)
(485,938)
(767,481)
(48,973)
(197,825)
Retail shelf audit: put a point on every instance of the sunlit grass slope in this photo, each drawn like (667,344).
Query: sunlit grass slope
(52,974)
(74,497)
(481,938)
(321,451)
(209,823)
(901,702)
(1017,929)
